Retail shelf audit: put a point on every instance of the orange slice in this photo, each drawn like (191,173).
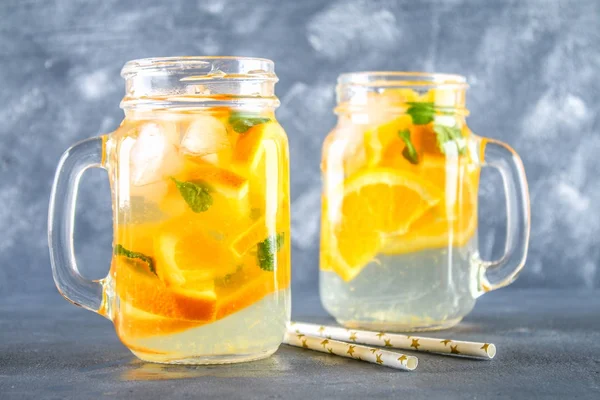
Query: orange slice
(379,138)
(250,284)
(221,180)
(134,323)
(261,228)
(375,203)
(257,232)
(188,256)
(142,289)
(452,223)
(248,148)
(228,191)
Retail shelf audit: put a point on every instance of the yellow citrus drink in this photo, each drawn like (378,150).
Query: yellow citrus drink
(399,216)
(201,264)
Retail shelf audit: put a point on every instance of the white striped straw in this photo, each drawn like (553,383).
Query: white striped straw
(397,341)
(357,352)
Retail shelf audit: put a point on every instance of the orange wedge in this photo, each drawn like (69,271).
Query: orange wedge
(248,148)
(188,256)
(253,286)
(452,223)
(221,180)
(375,203)
(227,189)
(143,290)
(133,323)
(250,284)
(379,138)
(257,232)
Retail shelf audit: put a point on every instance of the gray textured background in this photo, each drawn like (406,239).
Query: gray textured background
(532,66)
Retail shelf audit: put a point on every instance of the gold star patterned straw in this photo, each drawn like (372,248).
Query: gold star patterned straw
(350,350)
(397,341)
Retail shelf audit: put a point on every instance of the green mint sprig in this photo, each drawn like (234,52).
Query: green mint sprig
(409,152)
(122,251)
(196,194)
(449,134)
(423,113)
(266,251)
(242,122)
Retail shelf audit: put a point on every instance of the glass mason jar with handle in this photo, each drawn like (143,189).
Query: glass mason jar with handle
(401,171)
(199,173)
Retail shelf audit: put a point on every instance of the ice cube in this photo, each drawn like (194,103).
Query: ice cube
(152,192)
(154,156)
(206,135)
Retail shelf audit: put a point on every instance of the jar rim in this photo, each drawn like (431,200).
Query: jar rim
(199,81)
(213,66)
(408,79)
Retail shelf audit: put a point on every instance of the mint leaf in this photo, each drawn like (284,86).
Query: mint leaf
(242,122)
(266,251)
(195,194)
(409,152)
(421,113)
(122,251)
(446,134)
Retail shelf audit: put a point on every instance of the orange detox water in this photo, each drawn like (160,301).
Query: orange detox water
(201,264)
(399,211)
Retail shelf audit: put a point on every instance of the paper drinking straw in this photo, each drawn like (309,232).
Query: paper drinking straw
(357,352)
(397,341)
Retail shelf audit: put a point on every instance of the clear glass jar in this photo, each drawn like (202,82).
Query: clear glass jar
(400,171)
(200,181)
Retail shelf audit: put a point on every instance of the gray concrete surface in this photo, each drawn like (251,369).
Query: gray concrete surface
(548,348)
(532,66)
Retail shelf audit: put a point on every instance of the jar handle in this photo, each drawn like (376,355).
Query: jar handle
(502,157)
(61,218)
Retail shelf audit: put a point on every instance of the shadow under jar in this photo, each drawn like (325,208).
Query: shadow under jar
(200,271)
(401,173)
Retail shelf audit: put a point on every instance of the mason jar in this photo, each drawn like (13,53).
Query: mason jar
(401,171)
(199,173)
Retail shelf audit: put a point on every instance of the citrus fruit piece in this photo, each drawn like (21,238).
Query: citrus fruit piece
(221,180)
(247,240)
(136,285)
(187,255)
(134,323)
(379,138)
(392,199)
(248,285)
(248,147)
(324,262)
(452,222)
(260,228)
(375,203)
(227,189)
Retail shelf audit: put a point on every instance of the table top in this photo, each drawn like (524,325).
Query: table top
(548,347)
